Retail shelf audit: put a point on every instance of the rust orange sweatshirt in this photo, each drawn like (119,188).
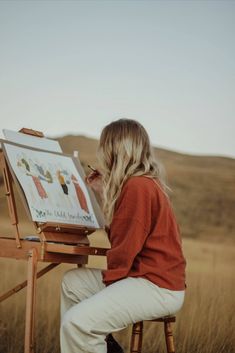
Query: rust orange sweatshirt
(145,237)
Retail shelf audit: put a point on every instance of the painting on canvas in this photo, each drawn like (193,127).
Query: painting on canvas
(53,187)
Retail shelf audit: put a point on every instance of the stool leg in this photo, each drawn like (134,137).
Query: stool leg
(136,337)
(169,337)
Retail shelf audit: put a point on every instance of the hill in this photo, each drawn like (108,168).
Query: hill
(203,188)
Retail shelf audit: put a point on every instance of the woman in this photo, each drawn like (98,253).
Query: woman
(145,276)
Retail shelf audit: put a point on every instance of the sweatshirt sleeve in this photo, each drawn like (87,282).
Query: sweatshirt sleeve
(129,229)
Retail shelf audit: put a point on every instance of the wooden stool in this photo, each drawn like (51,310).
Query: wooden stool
(137,334)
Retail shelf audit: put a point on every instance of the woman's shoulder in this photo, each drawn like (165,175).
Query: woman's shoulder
(139,179)
(143,183)
(136,182)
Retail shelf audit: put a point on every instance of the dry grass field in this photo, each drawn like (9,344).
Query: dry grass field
(204,201)
(205,324)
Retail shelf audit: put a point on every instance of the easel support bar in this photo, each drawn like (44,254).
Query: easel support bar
(24,284)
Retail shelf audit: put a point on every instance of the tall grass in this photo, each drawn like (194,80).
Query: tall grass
(205,324)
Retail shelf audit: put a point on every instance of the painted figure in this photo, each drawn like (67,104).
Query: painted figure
(62,182)
(80,194)
(40,189)
(49,177)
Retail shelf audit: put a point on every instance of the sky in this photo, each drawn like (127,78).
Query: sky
(72,67)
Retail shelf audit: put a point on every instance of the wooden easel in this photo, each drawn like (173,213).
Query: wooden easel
(58,243)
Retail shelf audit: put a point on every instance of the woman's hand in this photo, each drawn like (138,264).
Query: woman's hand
(94,180)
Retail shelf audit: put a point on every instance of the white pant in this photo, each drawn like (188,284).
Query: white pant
(90,310)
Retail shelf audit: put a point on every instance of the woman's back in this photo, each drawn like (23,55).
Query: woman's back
(145,238)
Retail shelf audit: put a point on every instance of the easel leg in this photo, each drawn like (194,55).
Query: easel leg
(30,301)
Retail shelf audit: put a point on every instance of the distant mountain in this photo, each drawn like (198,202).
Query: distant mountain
(203,187)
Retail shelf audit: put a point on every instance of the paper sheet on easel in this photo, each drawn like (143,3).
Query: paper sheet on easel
(52,185)
(31,141)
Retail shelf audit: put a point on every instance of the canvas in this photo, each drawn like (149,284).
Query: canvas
(53,187)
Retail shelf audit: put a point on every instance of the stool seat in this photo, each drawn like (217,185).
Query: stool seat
(137,334)
(164,319)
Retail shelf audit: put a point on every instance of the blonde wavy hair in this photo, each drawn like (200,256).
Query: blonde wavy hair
(124,150)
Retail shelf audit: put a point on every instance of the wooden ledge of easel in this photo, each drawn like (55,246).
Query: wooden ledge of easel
(79,249)
(66,228)
(32,132)
(8,250)
(64,233)
(67,238)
